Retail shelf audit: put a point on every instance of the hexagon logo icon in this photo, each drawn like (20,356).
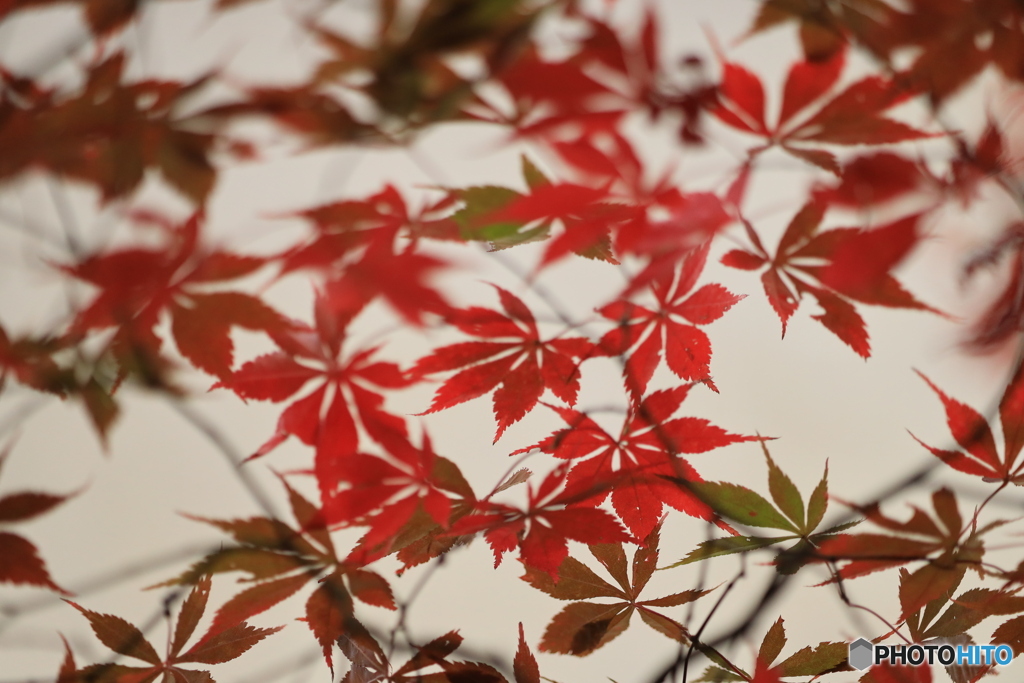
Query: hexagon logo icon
(862,654)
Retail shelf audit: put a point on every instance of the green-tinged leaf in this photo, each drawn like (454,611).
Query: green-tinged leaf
(789,560)
(714,674)
(191,612)
(537,233)
(774,641)
(784,492)
(817,503)
(838,528)
(226,645)
(576,581)
(479,203)
(740,504)
(532,175)
(582,627)
(815,661)
(727,546)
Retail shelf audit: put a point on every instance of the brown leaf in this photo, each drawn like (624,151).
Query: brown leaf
(226,645)
(576,581)
(119,635)
(18,507)
(524,667)
(582,627)
(328,610)
(191,612)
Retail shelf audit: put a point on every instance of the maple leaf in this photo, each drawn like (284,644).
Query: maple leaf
(513,360)
(280,561)
(638,465)
(110,132)
(356,248)
(474,218)
(854,116)
(385,494)
(347,387)
(31,362)
(587,214)
(368,661)
(980,456)
(872,179)
(970,41)
(825,657)
(825,29)
(642,334)
(945,544)
(20,562)
(1003,317)
(138,285)
(789,514)
(849,263)
(975,164)
(546,94)
(216,646)
(541,530)
(581,627)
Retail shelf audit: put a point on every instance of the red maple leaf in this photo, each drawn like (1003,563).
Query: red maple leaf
(347,386)
(513,359)
(848,263)
(542,530)
(357,247)
(855,116)
(385,493)
(20,562)
(109,132)
(979,455)
(641,464)
(138,285)
(221,643)
(644,335)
